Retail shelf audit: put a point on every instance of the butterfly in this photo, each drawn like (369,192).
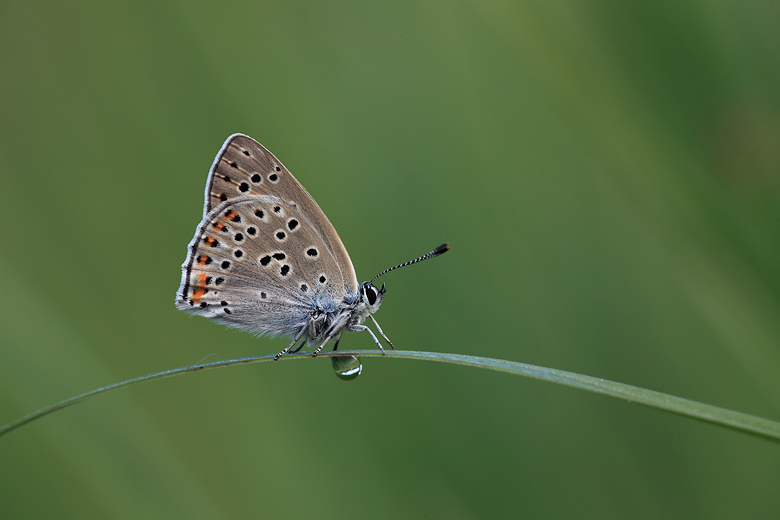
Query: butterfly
(266,259)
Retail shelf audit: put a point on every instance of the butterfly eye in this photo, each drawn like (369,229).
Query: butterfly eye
(371,295)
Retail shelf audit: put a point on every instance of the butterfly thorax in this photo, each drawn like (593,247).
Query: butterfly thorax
(327,324)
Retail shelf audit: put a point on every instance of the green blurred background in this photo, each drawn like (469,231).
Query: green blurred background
(608,174)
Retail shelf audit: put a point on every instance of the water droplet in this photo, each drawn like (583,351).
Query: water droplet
(346,367)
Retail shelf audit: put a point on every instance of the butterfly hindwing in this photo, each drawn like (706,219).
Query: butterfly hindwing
(257,262)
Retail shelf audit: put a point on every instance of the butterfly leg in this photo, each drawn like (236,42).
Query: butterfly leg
(359,328)
(322,345)
(312,333)
(335,347)
(283,352)
(303,343)
(382,333)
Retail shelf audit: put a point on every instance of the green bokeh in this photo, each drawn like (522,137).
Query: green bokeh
(607,173)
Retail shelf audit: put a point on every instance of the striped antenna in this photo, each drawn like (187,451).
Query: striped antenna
(436,252)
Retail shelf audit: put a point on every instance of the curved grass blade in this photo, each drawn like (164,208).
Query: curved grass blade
(745,423)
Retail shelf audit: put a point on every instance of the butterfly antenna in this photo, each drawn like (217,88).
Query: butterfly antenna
(436,252)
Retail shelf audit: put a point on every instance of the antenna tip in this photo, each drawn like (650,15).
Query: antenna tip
(441,249)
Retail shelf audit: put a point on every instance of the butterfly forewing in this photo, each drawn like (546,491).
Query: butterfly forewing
(244,167)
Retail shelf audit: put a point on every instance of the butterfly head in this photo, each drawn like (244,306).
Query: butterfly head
(371,296)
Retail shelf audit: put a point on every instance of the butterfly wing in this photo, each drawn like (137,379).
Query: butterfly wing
(260,262)
(245,167)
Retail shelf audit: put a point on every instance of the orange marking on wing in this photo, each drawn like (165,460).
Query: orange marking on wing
(199,293)
(230,214)
(219,226)
(201,279)
(203,260)
(210,241)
